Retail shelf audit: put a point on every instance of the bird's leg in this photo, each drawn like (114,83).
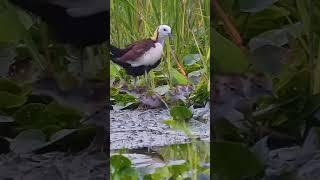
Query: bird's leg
(136,81)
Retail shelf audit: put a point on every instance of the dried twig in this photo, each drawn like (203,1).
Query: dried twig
(228,25)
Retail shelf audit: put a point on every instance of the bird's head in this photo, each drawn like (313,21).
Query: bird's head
(162,32)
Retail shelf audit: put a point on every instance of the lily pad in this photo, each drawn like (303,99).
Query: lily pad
(28,141)
(8,100)
(254,6)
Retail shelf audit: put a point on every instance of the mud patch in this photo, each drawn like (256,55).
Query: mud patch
(132,129)
(54,165)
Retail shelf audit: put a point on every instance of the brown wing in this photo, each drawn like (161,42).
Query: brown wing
(136,50)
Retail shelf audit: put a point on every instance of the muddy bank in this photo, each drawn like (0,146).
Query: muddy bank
(133,129)
(54,165)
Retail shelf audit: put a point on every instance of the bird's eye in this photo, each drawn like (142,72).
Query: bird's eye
(165,29)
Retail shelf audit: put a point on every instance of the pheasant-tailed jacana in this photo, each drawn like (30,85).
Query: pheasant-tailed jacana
(140,57)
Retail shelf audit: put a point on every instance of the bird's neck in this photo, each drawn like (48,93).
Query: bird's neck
(161,41)
(157,38)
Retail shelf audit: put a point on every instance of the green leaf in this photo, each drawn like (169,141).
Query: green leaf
(178,169)
(67,116)
(181,113)
(254,5)
(113,70)
(28,141)
(177,125)
(12,87)
(235,161)
(8,100)
(12,30)
(271,18)
(159,174)
(177,78)
(191,59)
(121,168)
(124,100)
(276,37)
(29,114)
(25,18)
(58,109)
(201,93)
(114,91)
(129,173)
(119,161)
(35,116)
(228,58)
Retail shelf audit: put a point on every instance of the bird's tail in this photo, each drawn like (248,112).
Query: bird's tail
(115,52)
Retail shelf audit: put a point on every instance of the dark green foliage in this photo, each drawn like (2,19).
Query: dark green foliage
(280,40)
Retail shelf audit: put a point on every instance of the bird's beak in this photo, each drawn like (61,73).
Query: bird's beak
(171,36)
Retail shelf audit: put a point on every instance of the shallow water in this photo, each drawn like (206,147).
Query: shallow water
(146,160)
(142,136)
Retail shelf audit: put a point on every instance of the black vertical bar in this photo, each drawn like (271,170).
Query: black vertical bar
(108,92)
(212,135)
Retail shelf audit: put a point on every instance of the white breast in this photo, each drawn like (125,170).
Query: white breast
(150,57)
